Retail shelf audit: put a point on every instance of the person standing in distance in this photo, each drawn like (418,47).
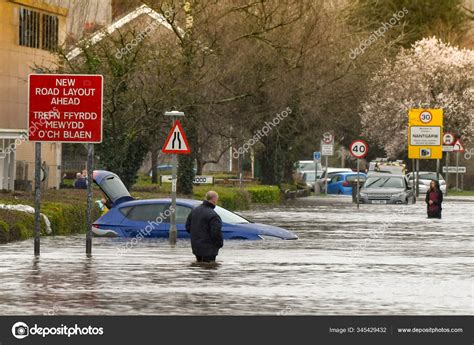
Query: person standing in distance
(434,199)
(205,227)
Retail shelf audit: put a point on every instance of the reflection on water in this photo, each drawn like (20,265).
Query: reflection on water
(380,260)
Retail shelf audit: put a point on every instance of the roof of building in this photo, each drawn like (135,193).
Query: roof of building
(102,33)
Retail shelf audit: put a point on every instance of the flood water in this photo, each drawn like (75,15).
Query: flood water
(383,259)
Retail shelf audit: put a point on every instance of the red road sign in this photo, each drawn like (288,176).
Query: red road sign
(359,148)
(426,117)
(176,141)
(458,146)
(448,138)
(328,137)
(65,108)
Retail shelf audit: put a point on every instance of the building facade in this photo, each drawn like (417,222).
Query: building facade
(30,31)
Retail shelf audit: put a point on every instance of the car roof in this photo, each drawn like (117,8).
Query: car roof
(338,169)
(184,202)
(349,173)
(424,172)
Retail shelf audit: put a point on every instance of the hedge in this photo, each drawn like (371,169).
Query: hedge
(264,194)
(229,197)
(65,219)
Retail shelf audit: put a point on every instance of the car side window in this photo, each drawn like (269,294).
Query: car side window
(182,213)
(148,212)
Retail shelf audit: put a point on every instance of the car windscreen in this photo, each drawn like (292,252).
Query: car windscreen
(332,174)
(428,176)
(309,176)
(384,182)
(306,166)
(230,217)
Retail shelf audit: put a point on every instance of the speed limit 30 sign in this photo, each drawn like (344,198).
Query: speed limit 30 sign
(359,148)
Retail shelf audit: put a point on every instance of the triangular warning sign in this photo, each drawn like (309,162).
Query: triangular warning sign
(176,141)
(458,146)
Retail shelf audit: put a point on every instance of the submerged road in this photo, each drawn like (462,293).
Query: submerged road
(383,259)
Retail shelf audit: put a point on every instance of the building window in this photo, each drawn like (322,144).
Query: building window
(29,28)
(38,30)
(50,32)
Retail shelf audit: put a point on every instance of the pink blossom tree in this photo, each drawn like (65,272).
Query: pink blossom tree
(431,74)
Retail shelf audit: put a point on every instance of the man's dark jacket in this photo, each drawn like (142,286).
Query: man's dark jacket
(205,225)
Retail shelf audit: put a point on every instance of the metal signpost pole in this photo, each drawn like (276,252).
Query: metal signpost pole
(173,231)
(326,179)
(315,173)
(358,169)
(437,170)
(417,178)
(63,127)
(457,170)
(447,172)
(174,138)
(358,149)
(90,162)
(37,197)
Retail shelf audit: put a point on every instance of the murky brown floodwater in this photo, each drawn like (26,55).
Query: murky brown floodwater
(380,260)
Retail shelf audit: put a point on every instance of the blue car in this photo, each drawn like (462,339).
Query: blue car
(341,183)
(128,217)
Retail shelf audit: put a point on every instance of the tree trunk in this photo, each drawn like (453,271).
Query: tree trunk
(154,163)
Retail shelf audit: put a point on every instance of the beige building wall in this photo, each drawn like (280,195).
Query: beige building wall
(16,63)
(84,15)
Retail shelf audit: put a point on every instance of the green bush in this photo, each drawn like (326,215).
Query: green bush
(231,198)
(4,233)
(68,218)
(23,232)
(264,194)
(65,219)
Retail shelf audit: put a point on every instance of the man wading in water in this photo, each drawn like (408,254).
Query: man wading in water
(434,198)
(205,227)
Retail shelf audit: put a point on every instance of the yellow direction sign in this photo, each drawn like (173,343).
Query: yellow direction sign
(425,134)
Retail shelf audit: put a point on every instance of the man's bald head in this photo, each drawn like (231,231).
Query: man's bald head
(212,197)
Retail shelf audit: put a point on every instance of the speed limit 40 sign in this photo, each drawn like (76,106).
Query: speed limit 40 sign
(359,148)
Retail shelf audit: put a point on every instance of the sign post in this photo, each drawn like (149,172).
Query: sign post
(448,141)
(458,147)
(90,164)
(64,108)
(358,149)
(424,136)
(37,198)
(175,144)
(327,149)
(447,173)
(317,159)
